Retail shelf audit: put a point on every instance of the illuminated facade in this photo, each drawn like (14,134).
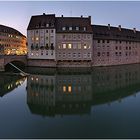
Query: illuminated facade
(12,42)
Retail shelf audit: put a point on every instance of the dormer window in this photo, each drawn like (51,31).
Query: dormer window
(84,29)
(47,25)
(77,28)
(63,28)
(70,28)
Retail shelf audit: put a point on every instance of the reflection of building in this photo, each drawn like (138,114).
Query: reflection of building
(74,93)
(12,41)
(63,94)
(9,83)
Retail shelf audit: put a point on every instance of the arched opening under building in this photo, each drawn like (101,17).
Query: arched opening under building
(18,64)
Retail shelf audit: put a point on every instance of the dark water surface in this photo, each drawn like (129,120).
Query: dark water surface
(71,103)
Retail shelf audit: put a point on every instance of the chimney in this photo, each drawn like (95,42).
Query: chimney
(81,16)
(89,18)
(108,26)
(119,27)
(134,29)
(44,14)
(61,15)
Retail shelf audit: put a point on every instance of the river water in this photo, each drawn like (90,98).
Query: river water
(101,102)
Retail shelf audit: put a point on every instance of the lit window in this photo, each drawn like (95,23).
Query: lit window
(36,54)
(37,39)
(32,39)
(69,46)
(59,46)
(32,54)
(69,89)
(64,46)
(32,78)
(85,47)
(70,28)
(64,88)
(63,28)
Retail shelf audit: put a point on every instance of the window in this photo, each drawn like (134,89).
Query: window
(120,42)
(41,53)
(46,31)
(64,46)
(79,54)
(74,46)
(64,54)
(36,38)
(84,28)
(46,52)
(77,28)
(129,48)
(69,46)
(103,41)
(64,88)
(98,41)
(51,31)
(63,28)
(70,28)
(116,48)
(98,54)
(107,41)
(85,47)
(36,31)
(89,54)
(79,46)
(69,89)
(107,53)
(74,54)
(32,39)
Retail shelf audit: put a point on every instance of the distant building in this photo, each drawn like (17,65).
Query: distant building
(75,42)
(115,45)
(12,41)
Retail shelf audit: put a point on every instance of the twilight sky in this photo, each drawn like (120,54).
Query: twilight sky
(17,14)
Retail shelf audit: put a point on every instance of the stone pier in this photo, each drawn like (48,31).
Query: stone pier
(1,64)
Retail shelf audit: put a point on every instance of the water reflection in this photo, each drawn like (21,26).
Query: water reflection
(9,83)
(75,91)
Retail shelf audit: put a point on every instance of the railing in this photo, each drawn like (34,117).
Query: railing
(22,73)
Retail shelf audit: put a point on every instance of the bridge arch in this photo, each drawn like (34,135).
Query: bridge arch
(18,63)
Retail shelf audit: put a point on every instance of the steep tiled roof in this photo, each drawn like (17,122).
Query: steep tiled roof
(73,22)
(6,29)
(109,32)
(42,21)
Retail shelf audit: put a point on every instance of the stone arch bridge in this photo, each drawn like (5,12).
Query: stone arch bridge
(6,59)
